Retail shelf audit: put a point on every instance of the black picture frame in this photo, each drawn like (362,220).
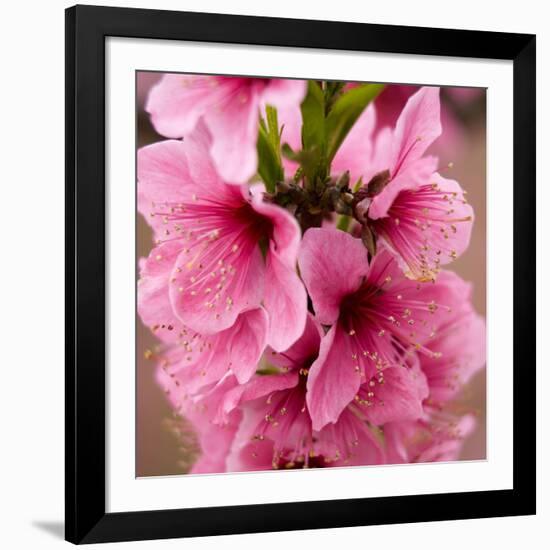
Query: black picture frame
(86,520)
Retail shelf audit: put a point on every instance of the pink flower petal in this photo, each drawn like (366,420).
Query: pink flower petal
(243,344)
(285,229)
(251,456)
(286,302)
(333,380)
(394,395)
(285,298)
(418,174)
(214,440)
(172,174)
(193,365)
(332,265)
(428,439)
(177,102)
(356,150)
(161,169)
(303,351)
(381,154)
(349,442)
(391,102)
(153,302)
(416,129)
(459,342)
(447,444)
(284,92)
(237,349)
(259,386)
(235,128)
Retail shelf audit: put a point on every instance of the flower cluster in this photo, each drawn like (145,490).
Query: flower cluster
(297,284)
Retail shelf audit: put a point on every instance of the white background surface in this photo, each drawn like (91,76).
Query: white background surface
(31,392)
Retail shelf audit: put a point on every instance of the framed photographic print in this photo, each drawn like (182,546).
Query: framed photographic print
(300,274)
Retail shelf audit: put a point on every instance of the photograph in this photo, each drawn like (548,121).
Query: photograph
(286,267)
(310,274)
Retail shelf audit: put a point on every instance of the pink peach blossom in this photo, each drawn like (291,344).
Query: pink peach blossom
(229,106)
(460,341)
(196,360)
(377,317)
(276,430)
(209,242)
(214,439)
(392,101)
(393,394)
(422,217)
(437,437)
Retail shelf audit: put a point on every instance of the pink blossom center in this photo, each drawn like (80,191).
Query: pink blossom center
(422,224)
(382,321)
(243,87)
(219,238)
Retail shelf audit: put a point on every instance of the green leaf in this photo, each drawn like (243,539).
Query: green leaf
(269,150)
(332,91)
(313,135)
(273,128)
(289,153)
(267,161)
(345,112)
(306,159)
(313,118)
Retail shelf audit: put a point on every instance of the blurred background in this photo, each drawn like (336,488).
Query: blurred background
(461,148)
